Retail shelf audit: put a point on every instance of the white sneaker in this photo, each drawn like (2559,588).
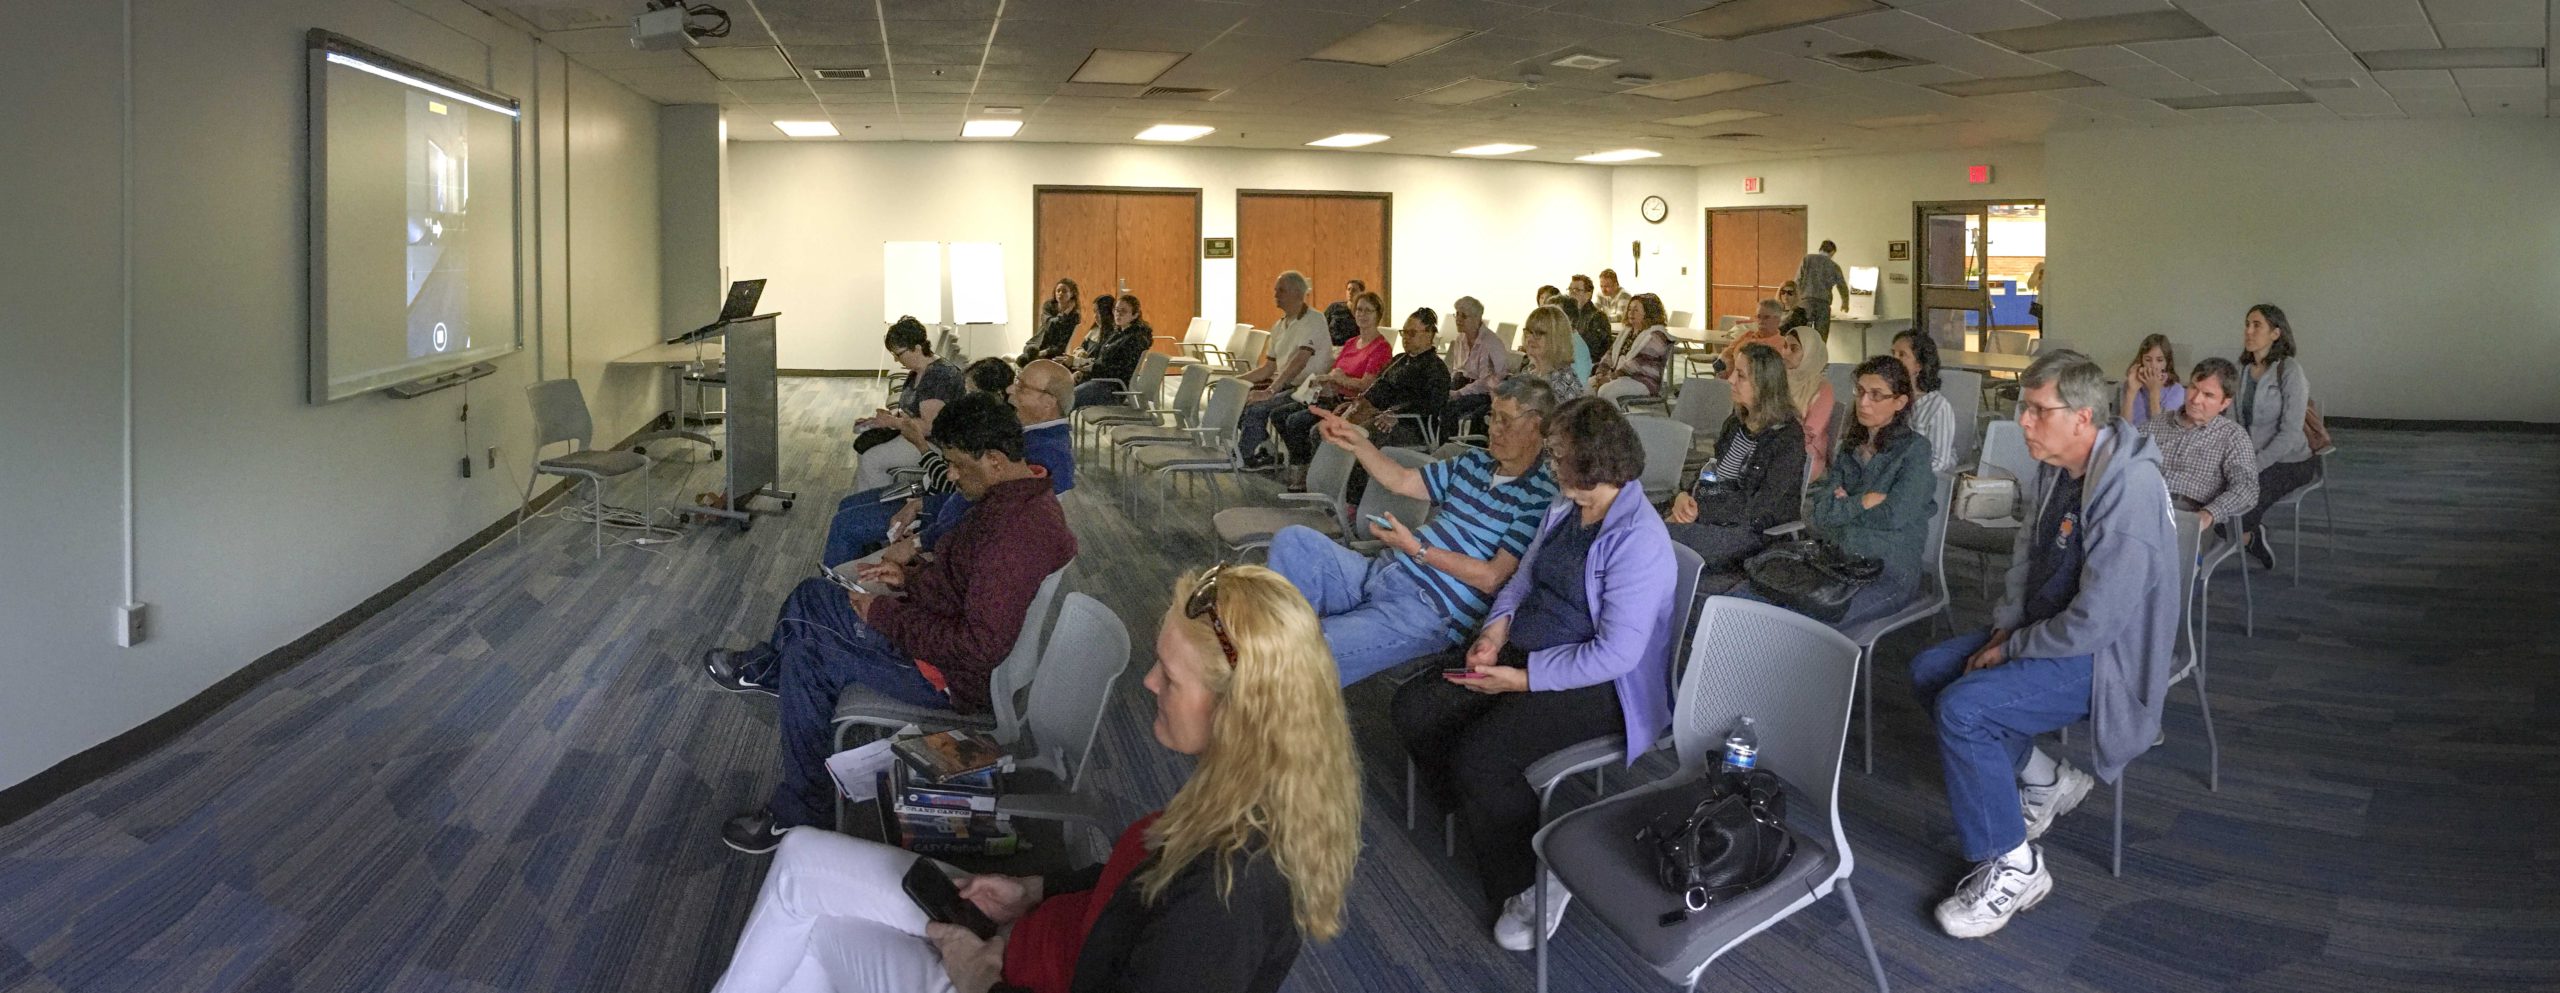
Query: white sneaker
(1511,930)
(2040,805)
(1991,894)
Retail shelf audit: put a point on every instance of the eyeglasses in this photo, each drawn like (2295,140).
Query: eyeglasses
(2039,410)
(1204,605)
(1879,396)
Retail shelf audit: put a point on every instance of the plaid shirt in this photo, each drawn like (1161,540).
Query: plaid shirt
(2214,465)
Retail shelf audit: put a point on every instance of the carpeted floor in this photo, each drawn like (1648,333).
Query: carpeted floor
(513,779)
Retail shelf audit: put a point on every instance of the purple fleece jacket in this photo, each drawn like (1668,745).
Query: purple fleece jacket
(1629,580)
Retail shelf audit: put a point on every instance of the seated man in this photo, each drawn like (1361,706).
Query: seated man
(2087,630)
(1040,395)
(2208,459)
(935,646)
(1430,589)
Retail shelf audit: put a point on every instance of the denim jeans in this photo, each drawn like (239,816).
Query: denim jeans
(819,647)
(1375,614)
(1987,722)
(1100,393)
(860,527)
(1256,423)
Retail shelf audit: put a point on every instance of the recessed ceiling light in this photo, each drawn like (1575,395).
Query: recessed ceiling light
(807,129)
(1348,139)
(1388,42)
(1904,121)
(746,63)
(1712,117)
(1000,110)
(1699,86)
(1125,68)
(1584,60)
(1174,132)
(1619,155)
(2013,84)
(2454,58)
(840,73)
(1467,90)
(2211,101)
(1497,148)
(990,129)
(2092,32)
(1740,18)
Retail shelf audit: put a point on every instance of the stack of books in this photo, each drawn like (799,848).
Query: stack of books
(940,798)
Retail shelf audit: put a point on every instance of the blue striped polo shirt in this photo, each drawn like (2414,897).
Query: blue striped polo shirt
(1475,518)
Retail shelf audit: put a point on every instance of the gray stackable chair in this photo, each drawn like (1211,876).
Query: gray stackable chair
(2227,542)
(2319,483)
(1247,350)
(1963,390)
(1379,500)
(1703,404)
(1844,379)
(859,705)
(1666,449)
(1084,661)
(1795,678)
(1212,450)
(2189,663)
(1328,486)
(1165,424)
(1143,389)
(2004,453)
(560,415)
(1931,601)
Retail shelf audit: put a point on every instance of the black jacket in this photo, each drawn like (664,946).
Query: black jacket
(1051,342)
(1122,352)
(1770,489)
(1189,940)
(1413,383)
(1593,325)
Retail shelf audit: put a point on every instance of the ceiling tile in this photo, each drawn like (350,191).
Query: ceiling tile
(1887,27)
(2189,51)
(2298,66)
(2397,80)
(2491,35)
(2367,13)
(2389,38)
(2085,59)
(2445,12)
(1970,16)
(2253,84)
(2504,78)
(2072,10)
(2298,112)
(2259,17)
(2315,42)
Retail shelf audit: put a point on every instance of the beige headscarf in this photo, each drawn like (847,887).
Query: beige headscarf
(1805,380)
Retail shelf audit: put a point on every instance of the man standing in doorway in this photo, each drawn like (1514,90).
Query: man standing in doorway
(1816,280)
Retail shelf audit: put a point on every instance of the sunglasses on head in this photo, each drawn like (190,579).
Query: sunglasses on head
(1203,605)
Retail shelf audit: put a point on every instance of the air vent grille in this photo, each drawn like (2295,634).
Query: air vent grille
(840,73)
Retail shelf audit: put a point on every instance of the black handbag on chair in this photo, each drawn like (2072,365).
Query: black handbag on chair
(1729,842)
(1811,577)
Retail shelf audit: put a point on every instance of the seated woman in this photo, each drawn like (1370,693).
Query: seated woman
(1757,480)
(1550,341)
(1877,499)
(1214,892)
(1577,646)
(1084,355)
(1931,414)
(931,382)
(1058,320)
(2151,383)
(2274,403)
(1634,367)
(1416,382)
(1805,356)
(1356,366)
(1125,343)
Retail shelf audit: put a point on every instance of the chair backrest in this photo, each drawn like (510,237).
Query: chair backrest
(1255,340)
(2004,448)
(1084,659)
(1703,404)
(1508,333)
(1197,333)
(1681,318)
(1329,473)
(1791,674)
(1186,394)
(1224,409)
(1933,556)
(1843,414)
(1686,565)
(560,413)
(1963,390)
(2006,342)
(1666,446)
(1148,384)
(1020,665)
(1235,338)
(2190,548)
(1377,499)
(1843,377)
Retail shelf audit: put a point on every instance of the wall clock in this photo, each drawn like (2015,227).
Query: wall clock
(1655,209)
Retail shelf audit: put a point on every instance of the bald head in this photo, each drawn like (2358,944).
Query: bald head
(1044,391)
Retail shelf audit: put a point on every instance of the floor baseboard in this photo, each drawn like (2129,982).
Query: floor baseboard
(2397,424)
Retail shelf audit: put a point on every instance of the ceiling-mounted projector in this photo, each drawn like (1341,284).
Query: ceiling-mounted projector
(669,24)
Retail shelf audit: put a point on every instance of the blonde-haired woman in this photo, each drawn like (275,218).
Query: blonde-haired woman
(1213,893)
(1548,337)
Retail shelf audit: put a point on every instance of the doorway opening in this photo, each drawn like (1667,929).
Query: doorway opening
(1980,265)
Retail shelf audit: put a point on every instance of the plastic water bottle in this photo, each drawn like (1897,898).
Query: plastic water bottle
(1742,747)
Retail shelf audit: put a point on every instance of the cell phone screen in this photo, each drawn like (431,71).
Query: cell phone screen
(935,894)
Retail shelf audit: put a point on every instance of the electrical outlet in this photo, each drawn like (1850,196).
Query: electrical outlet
(130,624)
(493,456)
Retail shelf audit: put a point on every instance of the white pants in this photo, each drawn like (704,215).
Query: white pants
(871,469)
(834,917)
(1614,390)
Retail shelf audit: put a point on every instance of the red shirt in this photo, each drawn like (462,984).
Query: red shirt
(1041,954)
(1357,359)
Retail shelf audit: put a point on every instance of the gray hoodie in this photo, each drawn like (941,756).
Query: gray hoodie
(2126,614)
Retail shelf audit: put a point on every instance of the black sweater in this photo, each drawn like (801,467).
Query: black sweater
(1122,352)
(1770,489)
(1190,940)
(1051,342)
(1413,383)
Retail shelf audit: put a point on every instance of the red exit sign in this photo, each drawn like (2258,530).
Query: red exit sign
(1977,175)
(1750,184)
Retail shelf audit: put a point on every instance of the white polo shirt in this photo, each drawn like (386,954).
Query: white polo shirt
(1307,330)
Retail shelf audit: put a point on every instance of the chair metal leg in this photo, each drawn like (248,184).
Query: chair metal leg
(1538,928)
(1867,701)
(1449,835)
(1409,808)
(1858,919)
(595,509)
(2297,542)
(2115,864)
(2212,745)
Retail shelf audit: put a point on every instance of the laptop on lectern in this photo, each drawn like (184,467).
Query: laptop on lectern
(741,305)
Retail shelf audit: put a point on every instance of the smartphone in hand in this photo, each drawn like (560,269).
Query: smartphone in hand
(941,901)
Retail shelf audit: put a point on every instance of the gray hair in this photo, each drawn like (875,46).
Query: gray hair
(1299,279)
(1772,305)
(1469,306)
(1533,396)
(2077,380)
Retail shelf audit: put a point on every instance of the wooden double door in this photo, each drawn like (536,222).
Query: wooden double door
(1116,240)
(1750,252)
(1331,237)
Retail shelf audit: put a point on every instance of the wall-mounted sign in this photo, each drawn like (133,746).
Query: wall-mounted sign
(1751,184)
(1217,248)
(1977,175)
(1897,251)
